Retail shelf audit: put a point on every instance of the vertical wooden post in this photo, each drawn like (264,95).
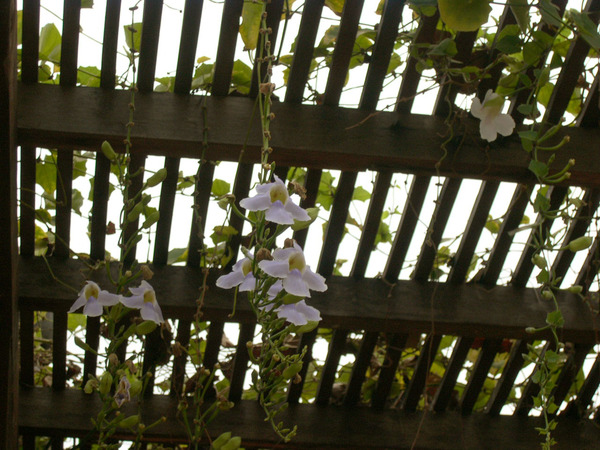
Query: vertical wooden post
(8,225)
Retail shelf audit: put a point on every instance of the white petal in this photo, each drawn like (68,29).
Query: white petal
(277,269)
(249,283)
(230,280)
(148,312)
(278,214)
(283,254)
(133,302)
(92,308)
(158,312)
(488,130)
(257,203)
(107,299)
(295,285)
(296,212)
(313,280)
(275,289)
(291,314)
(489,95)
(476,108)
(311,314)
(78,303)
(505,124)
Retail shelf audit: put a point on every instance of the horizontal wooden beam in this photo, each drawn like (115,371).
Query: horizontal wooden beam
(370,304)
(303,135)
(318,427)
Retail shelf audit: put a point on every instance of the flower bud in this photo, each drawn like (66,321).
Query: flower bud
(151,219)
(581,243)
(90,386)
(263,254)
(129,422)
(232,444)
(292,370)
(147,273)
(221,440)
(576,289)
(105,383)
(539,261)
(530,330)
(157,178)
(146,327)
(547,294)
(108,151)
(113,360)
(136,387)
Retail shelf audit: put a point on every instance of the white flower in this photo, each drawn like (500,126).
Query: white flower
(298,313)
(93,300)
(144,299)
(241,275)
(493,121)
(275,200)
(289,265)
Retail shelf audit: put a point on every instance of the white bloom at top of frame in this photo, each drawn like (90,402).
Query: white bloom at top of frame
(241,275)
(493,121)
(289,265)
(273,198)
(144,299)
(93,300)
(299,313)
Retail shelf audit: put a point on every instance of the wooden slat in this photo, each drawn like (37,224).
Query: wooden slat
(447,93)
(439,219)
(30,41)
(413,392)
(590,110)
(359,369)
(166,208)
(577,407)
(470,239)
(577,228)
(240,362)
(382,52)
(589,270)
(479,374)
(92,338)
(204,179)
(408,222)
(110,43)
(100,207)
(336,349)
(387,373)
(149,45)
(241,189)
(372,222)
(343,51)
(305,43)
(69,43)
(64,189)
(59,350)
(411,76)
(444,391)
(572,68)
(337,221)
(51,116)
(530,390)
(469,309)
(295,389)
(569,372)
(317,427)
(511,220)
(136,165)
(26,347)
(152,346)
(27,198)
(213,344)
(226,47)
(190,30)
(274,10)
(311,184)
(509,375)
(179,361)
(525,265)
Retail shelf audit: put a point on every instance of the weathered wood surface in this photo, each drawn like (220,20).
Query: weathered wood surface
(8,225)
(318,427)
(368,304)
(330,137)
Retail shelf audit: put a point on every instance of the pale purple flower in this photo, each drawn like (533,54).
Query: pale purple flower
(289,265)
(93,300)
(241,275)
(273,198)
(144,299)
(493,121)
(298,313)
(122,394)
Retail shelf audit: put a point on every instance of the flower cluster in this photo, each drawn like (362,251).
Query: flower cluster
(93,300)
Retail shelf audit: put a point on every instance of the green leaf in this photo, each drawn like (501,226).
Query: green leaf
(177,255)
(383,234)
(493,225)
(520,10)
(203,76)
(587,28)
(337,6)
(251,17)
(81,344)
(445,48)
(464,15)
(19,27)
(360,194)
(45,175)
(313,213)
(539,168)
(50,42)
(241,77)
(532,52)
(75,321)
(87,3)
(133,36)
(220,187)
(76,201)
(222,233)
(554,318)
(550,13)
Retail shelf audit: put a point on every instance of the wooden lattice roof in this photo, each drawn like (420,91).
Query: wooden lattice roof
(384,312)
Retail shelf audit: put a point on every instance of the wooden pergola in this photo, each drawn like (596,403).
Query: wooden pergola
(384,310)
